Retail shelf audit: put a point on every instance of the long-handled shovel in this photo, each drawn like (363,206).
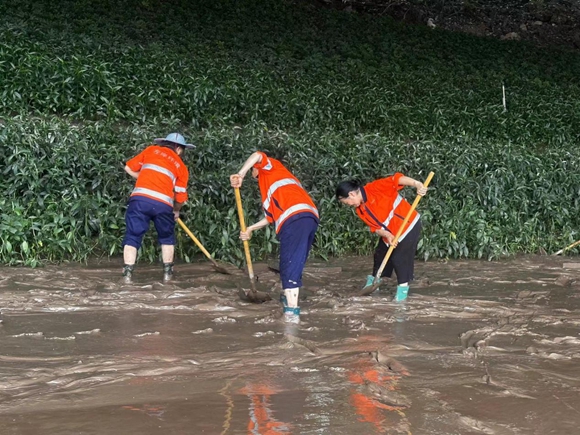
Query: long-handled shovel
(253,295)
(217,267)
(567,247)
(371,288)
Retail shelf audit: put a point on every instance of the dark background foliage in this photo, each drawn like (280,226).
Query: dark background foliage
(542,22)
(85,85)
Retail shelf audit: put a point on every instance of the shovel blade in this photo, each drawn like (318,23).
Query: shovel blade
(365,291)
(221,269)
(254,296)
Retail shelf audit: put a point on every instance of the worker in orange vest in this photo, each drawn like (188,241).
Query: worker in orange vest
(289,207)
(379,205)
(159,194)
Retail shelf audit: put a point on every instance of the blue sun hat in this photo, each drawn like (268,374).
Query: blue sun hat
(173,139)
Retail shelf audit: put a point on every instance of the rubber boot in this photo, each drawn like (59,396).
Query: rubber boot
(128,273)
(292,315)
(402,292)
(289,299)
(167,272)
(370,282)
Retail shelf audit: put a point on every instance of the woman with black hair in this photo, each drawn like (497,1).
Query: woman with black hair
(383,209)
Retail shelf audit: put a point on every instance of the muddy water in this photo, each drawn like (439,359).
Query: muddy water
(478,348)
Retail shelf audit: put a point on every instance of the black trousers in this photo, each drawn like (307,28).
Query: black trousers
(402,259)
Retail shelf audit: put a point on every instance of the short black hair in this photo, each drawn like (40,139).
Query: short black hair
(276,153)
(344,188)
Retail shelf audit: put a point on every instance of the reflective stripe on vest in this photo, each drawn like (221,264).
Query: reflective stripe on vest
(410,228)
(268,165)
(153,193)
(392,213)
(275,186)
(294,209)
(180,189)
(160,169)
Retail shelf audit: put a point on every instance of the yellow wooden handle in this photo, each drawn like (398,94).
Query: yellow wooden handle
(567,247)
(396,239)
(195,240)
(243,228)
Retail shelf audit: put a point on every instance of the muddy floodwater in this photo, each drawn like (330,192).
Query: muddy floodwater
(478,348)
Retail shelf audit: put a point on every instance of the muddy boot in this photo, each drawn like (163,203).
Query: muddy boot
(370,282)
(167,272)
(289,300)
(402,292)
(127,274)
(292,315)
(368,287)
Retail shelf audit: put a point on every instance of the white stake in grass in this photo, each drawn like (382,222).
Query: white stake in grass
(504,105)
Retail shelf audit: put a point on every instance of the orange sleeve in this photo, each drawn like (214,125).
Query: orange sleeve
(389,184)
(396,179)
(136,162)
(181,184)
(265,164)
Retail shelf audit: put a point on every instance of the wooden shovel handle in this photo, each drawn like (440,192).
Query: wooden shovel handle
(196,241)
(243,228)
(567,247)
(396,239)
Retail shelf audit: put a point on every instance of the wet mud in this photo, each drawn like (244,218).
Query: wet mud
(478,348)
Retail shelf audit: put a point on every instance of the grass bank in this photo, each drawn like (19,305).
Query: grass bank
(86,85)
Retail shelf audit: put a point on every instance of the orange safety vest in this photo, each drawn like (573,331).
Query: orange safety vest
(282,194)
(162,175)
(383,208)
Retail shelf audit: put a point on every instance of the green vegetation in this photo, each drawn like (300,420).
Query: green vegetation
(87,84)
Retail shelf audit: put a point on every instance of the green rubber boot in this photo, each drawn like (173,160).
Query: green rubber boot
(402,292)
(292,315)
(370,282)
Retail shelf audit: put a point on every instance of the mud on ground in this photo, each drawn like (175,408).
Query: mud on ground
(478,348)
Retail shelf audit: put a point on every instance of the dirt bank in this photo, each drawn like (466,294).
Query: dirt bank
(544,23)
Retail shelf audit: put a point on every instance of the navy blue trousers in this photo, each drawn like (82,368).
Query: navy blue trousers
(140,213)
(296,238)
